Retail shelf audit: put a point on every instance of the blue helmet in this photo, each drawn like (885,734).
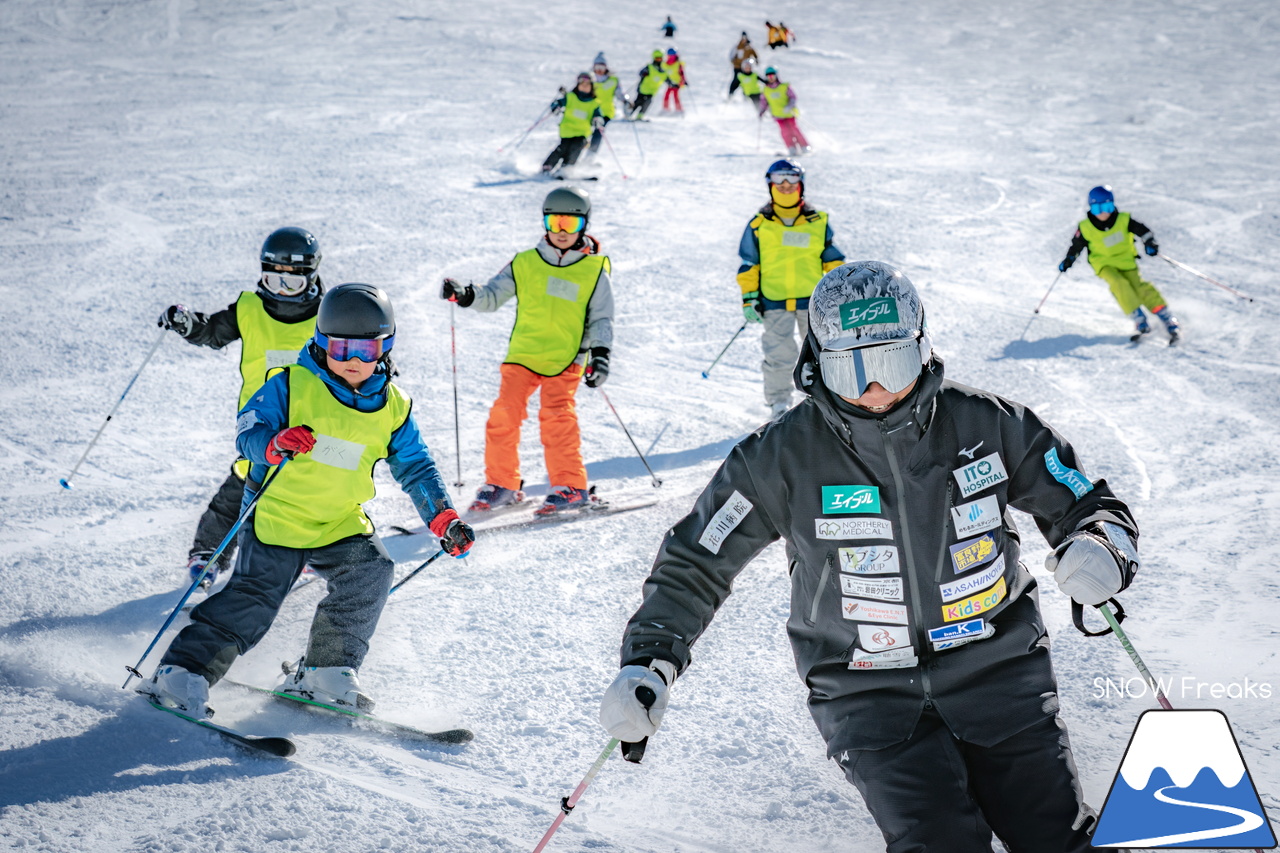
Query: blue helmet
(785,168)
(1101,200)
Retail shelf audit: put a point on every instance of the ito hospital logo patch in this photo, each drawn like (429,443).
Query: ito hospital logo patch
(1183,784)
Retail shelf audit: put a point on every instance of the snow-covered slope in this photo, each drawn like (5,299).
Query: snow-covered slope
(148,147)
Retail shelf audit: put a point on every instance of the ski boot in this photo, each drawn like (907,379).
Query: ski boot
(177,688)
(492,497)
(1170,323)
(564,498)
(1140,322)
(330,685)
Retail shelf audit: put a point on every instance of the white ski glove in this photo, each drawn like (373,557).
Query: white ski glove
(1091,568)
(625,714)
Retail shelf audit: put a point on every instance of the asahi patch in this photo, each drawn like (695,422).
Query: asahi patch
(885,589)
(976,516)
(853,528)
(728,517)
(972,583)
(983,474)
(869,560)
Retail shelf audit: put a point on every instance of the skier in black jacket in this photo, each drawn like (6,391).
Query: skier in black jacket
(913,624)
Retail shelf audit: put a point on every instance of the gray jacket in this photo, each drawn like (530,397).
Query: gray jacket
(906,589)
(597,331)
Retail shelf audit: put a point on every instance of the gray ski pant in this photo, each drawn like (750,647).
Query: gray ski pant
(229,623)
(781,351)
(936,793)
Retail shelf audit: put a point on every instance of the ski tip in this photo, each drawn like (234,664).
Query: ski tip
(705,375)
(63,482)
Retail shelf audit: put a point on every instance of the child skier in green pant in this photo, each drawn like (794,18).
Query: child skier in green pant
(1108,234)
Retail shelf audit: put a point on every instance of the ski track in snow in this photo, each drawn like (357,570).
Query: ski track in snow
(150,148)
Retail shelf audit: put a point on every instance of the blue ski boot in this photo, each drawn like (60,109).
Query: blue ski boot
(1170,323)
(1139,321)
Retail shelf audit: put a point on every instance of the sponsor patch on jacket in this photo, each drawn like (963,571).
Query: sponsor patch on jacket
(976,516)
(975,604)
(853,528)
(798,239)
(727,517)
(862,610)
(968,585)
(950,636)
(842,500)
(973,552)
(281,358)
(862,660)
(864,312)
(884,638)
(870,560)
(885,589)
(986,472)
(246,421)
(336,452)
(1071,478)
(562,289)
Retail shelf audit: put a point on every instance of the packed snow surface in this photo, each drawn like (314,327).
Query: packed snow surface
(150,146)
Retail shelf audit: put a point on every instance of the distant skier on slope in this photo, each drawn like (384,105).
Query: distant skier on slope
(668,28)
(652,76)
(564,321)
(779,35)
(336,413)
(1114,260)
(742,54)
(607,93)
(272,322)
(676,81)
(580,115)
(749,80)
(780,101)
(914,626)
(785,249)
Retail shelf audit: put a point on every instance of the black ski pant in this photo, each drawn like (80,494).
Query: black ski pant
(232,621)
(734,83)
(938,794)
(641,104)
(218,519)
(567,152)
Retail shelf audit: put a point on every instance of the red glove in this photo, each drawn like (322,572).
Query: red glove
(290,442)
(455,535)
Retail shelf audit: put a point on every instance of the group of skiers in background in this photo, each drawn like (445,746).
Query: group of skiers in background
(942,764)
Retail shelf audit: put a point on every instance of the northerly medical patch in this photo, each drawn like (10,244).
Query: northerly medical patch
(728,517)
(853,528)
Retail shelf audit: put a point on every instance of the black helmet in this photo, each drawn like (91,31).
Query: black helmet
(291,247)
(359,311)
(569,200)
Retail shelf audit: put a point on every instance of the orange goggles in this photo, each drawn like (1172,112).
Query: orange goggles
(567,223)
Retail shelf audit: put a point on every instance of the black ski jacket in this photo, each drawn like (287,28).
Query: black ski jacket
(906,589)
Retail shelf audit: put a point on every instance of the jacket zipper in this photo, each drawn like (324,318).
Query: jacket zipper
(942,549)
(822,586)
(908,556)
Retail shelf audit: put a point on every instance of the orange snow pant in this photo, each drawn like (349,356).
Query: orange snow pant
(557,417)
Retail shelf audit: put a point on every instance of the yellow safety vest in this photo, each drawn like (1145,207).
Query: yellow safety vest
(551,310)
(605,91)
(750,83)
(576,120)
(315,500)
(652,82)
(777,98)
(674,75)
(266,344)
(790,256)
(1110,248)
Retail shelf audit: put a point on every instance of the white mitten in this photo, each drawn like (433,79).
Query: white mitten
(626,710)
(1089,568)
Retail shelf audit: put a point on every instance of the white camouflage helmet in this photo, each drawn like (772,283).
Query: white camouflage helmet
(869,325)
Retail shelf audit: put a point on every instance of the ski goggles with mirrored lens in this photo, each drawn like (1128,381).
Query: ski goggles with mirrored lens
(894,365)
(365,349)
(566,223)
(785,177)
(286,283)
(1102,207)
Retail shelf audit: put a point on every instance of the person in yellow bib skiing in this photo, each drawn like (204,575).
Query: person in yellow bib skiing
(785,249)
(780,102)
(563,334)
(334,415)
(1108,234)
(579,115)
(272,322)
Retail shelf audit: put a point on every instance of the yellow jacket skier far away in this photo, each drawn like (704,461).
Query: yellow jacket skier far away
(1108,235)
(785,249)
